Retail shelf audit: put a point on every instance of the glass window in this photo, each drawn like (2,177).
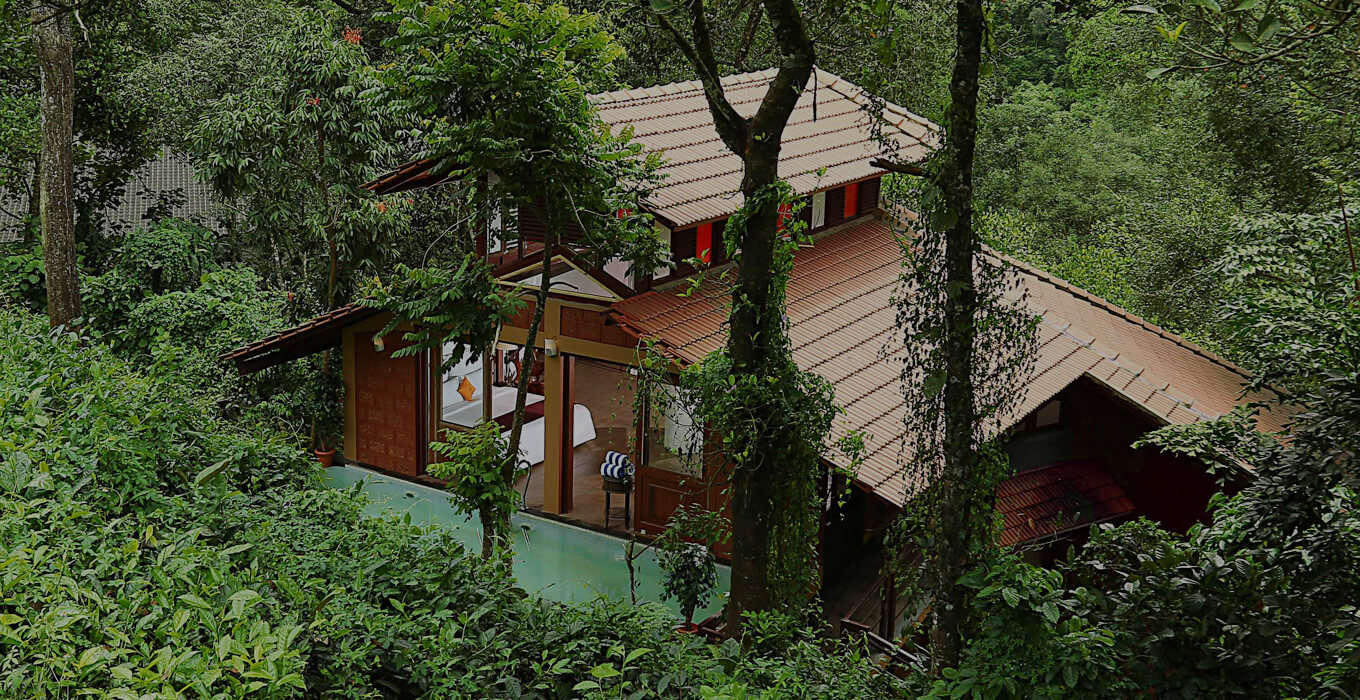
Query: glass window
(674,440)
(818,210)
(463,389)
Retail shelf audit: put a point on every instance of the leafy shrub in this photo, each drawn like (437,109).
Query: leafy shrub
(151,548)
(193,328)
(691,576)
(76,414)
(169,256)
(22,277)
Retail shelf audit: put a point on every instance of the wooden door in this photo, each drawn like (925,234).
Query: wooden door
(388,407)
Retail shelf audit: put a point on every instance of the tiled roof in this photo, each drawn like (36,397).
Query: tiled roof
(703,178)
(843,326)
(1058,498)
(315,335)
(167,174)
(415,175)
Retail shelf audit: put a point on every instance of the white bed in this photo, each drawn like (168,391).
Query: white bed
(531,440)
(469,413)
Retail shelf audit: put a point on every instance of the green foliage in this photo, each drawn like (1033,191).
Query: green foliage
(501,88)
(75,414)
(691,575)
(464,306)
(474,479)
(169,256)
(151,548)
(293,149)
(111,139)
(22,277)
(228,309)
(1031,641)
(157,612)
(1294,314)
(1124,193)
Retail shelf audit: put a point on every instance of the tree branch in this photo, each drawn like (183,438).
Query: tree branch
(795,67)
(900,168)
(732,128)
(748,36)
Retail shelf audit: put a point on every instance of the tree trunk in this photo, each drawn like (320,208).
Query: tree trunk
(955,181)
(54,45)
(522,385)
(756,325)
(752,322)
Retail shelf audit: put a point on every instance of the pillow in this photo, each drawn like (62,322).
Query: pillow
(466,389)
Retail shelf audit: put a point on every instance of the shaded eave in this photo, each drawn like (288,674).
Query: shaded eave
(415,175)
(321,333)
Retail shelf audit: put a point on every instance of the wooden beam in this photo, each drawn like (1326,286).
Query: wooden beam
(552,409)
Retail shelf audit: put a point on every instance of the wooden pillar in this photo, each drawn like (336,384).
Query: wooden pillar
(567,463)
(351,400)
(553,390)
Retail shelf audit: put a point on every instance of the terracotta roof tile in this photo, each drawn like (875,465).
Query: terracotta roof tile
(1056,499)
(843,326)
(703,178)
(317,334)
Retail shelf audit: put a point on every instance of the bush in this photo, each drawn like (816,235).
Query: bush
(152,548)
(170,256)
(76,415)
(22,277)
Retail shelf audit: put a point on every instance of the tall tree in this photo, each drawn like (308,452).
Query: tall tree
(757,345)
(968,347)
(955,181)
(55,46)
(500,89)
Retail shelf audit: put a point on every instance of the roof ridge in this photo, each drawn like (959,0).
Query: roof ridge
(732,171)
(672,88)
(1116,310)
(729,193)
(725,154)
(857,95)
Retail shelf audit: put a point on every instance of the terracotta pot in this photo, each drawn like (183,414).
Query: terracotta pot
(325,457)
(687,628)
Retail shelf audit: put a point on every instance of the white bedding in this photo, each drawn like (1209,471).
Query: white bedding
(469,413)
(531,440)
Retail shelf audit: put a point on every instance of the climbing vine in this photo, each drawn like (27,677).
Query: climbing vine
(952,510)
(773,425)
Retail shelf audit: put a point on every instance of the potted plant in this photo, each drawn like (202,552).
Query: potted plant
(691,574)
(326,412)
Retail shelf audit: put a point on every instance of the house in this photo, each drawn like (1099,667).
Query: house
(165,186)
(1103,377)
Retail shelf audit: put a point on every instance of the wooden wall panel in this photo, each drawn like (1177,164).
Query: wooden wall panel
(524,317)
(659,493)
(868,195)
(593,325)
(533,227)
(387,406)
(835,206)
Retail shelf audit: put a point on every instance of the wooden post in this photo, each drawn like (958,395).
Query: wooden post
(567,462)
(552,410)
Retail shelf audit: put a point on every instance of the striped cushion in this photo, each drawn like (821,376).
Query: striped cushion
(616,465)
